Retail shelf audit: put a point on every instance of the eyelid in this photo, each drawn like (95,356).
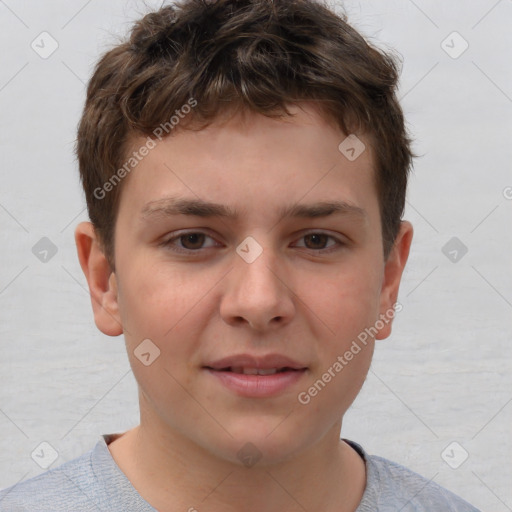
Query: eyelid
(178,234)
(338,238)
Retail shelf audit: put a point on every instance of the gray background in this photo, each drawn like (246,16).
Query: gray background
(443,376)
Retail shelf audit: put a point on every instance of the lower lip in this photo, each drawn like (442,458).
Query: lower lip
(257,386)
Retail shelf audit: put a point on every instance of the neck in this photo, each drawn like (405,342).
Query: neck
(172,473)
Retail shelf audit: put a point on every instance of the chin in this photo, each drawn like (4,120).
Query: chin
(263,442)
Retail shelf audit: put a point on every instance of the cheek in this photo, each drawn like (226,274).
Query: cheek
(337,379)
(164,308)
(344,302)
(156,302)
(345,305)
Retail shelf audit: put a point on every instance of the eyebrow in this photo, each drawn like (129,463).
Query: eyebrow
(171,206)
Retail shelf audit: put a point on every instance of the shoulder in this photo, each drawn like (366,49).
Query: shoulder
(63,488)
(391,486)
(396,485)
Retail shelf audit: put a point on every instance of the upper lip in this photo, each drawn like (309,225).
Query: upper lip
(265,362)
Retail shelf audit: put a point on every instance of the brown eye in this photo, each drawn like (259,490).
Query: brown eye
(318,240)
(191,242)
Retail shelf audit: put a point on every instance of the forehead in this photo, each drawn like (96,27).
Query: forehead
(246,159)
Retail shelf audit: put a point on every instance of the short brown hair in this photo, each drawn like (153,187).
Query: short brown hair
(259,55)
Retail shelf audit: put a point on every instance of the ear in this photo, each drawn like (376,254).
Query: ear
(393,269)
(101,280)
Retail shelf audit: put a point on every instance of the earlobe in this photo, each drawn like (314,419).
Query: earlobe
(100,278)
(393,270)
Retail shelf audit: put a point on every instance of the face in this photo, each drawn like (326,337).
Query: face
(277,285)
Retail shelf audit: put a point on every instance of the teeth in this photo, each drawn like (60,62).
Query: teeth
(253,371)
(270,371)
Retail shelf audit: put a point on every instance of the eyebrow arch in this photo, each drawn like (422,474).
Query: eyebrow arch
(173,205)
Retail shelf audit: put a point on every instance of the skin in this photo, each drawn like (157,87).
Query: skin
(292,300)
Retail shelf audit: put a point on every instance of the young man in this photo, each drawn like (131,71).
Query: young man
(245,166)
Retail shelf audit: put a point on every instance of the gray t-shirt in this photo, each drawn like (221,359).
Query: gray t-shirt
(93,482)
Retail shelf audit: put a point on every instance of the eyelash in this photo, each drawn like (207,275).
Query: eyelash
(168,243)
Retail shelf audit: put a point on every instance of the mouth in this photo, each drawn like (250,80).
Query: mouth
(255,371)
(256,376)
(256,383)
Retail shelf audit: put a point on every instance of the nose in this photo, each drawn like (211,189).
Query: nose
(258,294)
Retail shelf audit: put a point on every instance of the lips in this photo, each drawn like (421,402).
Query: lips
(256,371)
(256,377)
(255,365)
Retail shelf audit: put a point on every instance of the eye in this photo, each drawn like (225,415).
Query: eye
(193,241)
(318,240)
(189,242)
